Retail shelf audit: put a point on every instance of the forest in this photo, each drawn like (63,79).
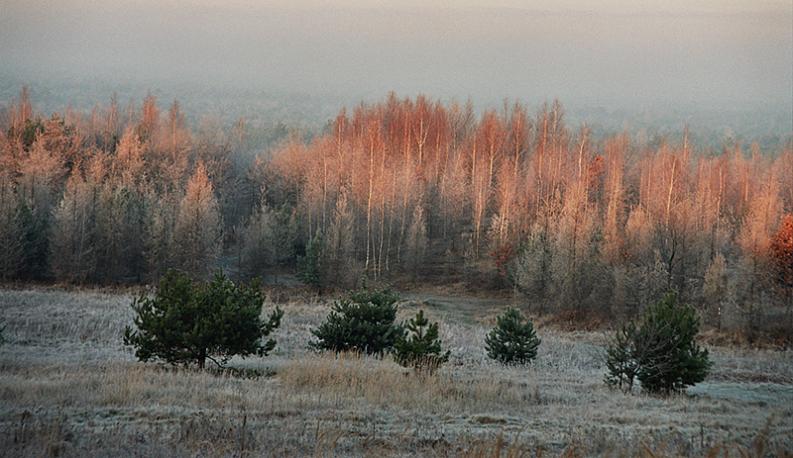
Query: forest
(591,227)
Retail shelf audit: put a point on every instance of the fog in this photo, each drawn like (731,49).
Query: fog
(638,55)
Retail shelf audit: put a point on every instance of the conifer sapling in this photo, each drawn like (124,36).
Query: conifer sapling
(418,346)
(513,340)
(363,322)
(187,322)
(660,350)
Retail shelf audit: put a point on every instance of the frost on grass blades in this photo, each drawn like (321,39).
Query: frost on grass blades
(59,342)
(407,228)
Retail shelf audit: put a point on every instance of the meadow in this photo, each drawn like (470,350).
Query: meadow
(68,387)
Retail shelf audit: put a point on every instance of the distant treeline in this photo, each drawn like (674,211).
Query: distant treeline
(407,187)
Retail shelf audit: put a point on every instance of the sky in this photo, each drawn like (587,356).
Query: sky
(612,53)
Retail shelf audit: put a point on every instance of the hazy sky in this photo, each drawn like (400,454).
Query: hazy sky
(613,53)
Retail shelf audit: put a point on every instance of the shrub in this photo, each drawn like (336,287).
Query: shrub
(418,345)
(513,340)
(660,351)
(187,322)
(363,322)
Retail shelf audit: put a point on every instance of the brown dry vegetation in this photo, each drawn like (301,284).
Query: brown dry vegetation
(68,387)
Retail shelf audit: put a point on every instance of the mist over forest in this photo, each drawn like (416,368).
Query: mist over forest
(274,113)
(722,69)
(374,228)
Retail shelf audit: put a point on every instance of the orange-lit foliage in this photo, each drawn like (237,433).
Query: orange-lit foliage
(782,252)
(416,185)
(503,257)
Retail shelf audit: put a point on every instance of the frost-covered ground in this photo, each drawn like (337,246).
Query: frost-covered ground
(68,386)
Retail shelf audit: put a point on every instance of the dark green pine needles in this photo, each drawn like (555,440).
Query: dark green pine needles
(418,346)
(660,350)
(363,322)
(189,322)
(513,340)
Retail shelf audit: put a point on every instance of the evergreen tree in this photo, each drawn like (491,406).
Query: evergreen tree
(133,213)
(189,322)
(418,345)
(41,174)
(620,363)
(309,266)
(513,340)
(660,351)
(363,322)
(35,227)
(32,129)
(10,233)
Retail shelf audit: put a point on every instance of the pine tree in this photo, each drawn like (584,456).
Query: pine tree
(133,215)
(620,363)
(35,227)
(10,233)
(418,345)
(660,350)
(41,173)
(309,266)
(363,322)
(513,340)
(188,322)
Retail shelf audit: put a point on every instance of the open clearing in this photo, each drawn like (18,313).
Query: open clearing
(69,387)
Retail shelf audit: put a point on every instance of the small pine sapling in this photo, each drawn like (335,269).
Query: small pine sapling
(363,323)
(621,366)
(660,351)
(513,339)
(418,346)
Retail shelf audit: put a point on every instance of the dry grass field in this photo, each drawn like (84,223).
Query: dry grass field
(69,388)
